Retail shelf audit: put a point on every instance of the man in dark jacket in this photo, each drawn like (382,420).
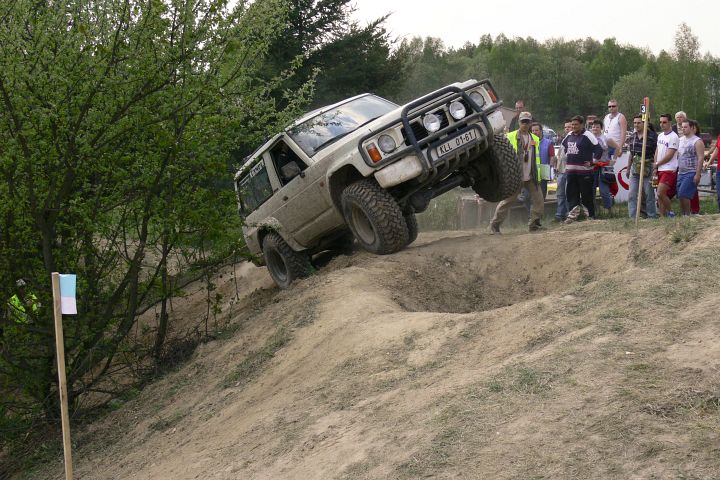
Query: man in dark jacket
(581,148)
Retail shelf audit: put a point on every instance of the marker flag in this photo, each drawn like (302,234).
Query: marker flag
(67,294)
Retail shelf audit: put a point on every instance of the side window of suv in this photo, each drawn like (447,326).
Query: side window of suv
(283,156)
(254,188)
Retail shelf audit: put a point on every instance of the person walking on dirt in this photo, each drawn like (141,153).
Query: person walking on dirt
(527,147)
(582,149)
(561,178)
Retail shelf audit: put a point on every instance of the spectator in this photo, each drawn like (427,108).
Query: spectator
(713,157)
(581,147)
(635,145)
(681,117)
(514,124)
(604,169)
(547,157)
(559,166)
(615,127)
(666,165)
(22,306)
(526,145)
(690,159)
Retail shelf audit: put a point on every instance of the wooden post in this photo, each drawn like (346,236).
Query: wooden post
(645,108)
(62,385)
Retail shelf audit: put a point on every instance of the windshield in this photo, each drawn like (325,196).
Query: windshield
(313,134)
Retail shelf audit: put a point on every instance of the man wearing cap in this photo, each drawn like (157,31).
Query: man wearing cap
(527,147)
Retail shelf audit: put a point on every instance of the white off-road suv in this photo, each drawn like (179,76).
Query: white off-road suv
(364,167)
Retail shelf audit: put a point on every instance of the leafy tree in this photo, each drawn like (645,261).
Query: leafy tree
(631,89)
(117,119)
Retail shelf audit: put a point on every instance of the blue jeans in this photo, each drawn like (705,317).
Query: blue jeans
(562,206)
(648,192)
(607,198)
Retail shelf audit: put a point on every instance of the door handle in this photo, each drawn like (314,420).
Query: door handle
(285,198)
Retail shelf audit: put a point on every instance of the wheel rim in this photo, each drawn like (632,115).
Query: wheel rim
(363,227)
(277,265)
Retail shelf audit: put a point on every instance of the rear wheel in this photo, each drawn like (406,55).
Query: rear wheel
(374,217)
(284,264)
(499,171)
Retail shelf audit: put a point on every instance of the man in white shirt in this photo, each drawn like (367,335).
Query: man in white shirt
(615,127)
(666,165)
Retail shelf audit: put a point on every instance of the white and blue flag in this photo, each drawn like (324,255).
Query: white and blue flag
(67,293)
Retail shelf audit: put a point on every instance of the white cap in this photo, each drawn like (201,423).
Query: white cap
(20,283)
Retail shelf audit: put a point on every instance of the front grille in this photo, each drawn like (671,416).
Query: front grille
(420,131)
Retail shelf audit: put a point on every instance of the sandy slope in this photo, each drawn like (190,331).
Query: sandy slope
(582,352)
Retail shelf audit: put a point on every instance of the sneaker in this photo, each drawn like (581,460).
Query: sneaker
(670,214)
(494,229)
(569,220)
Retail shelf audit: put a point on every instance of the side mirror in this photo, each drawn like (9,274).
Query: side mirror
(291,170)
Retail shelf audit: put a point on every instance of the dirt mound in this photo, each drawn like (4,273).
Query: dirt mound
(583,352)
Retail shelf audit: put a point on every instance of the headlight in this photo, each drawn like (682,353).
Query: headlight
(478,98)
(431,122)
(386,143)
(457,110)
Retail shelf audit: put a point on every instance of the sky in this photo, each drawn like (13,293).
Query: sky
(637,23)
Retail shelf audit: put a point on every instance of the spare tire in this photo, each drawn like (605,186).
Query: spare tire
(499,171)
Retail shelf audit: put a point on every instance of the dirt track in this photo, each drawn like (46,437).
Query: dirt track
(582,352)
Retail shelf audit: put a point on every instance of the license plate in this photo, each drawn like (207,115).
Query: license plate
(455,143)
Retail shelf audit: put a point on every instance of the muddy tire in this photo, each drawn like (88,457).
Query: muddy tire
(374,217)
(412,226)
(284,264)
(500,171)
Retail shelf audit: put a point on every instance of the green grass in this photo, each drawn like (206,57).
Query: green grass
(253,363)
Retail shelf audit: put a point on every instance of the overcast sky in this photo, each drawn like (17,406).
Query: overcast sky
(638,23)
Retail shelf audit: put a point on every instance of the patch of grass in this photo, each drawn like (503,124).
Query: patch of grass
(545,337)
(683,230)
(251,366)
(166,423)
(521,379)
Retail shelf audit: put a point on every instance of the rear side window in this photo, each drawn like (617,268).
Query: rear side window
(254,188)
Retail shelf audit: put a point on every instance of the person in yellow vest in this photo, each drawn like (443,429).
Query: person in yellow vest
(527,147)
(23,306)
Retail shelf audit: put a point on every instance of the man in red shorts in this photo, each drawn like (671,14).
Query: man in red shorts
(666,165)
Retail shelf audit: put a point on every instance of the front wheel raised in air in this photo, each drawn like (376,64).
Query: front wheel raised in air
(284,264)
(499,171)
(374,217)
